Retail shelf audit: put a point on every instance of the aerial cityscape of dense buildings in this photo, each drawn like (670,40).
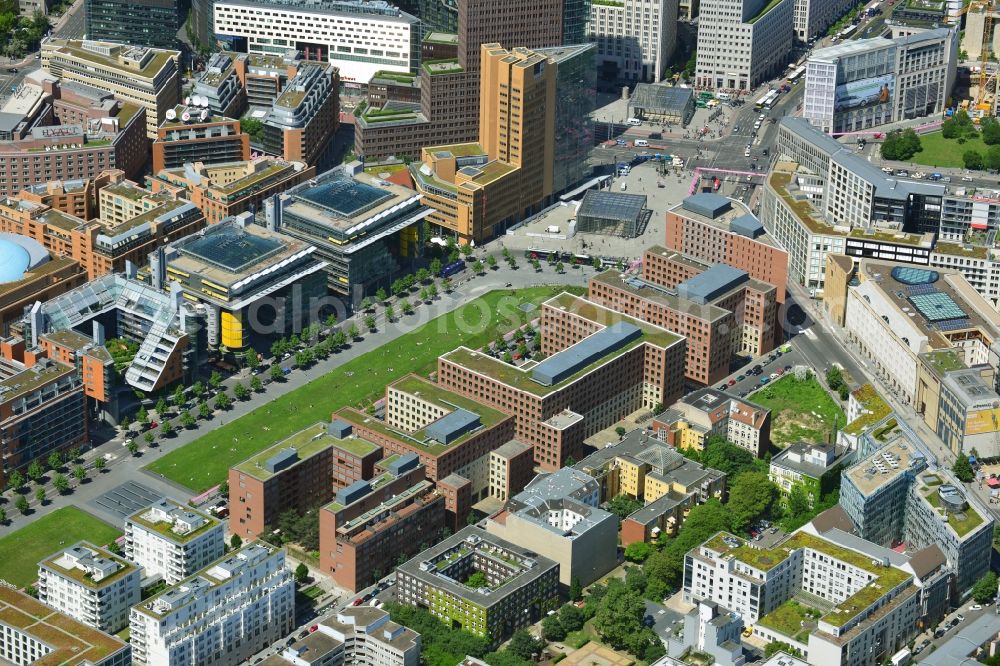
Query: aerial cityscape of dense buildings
(465,332)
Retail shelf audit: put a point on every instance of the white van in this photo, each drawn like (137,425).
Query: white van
(635,122)
(624,187)
(641,143)
(722,95)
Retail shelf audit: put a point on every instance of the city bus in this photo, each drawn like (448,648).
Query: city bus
(767,100)
(796,75)
(452,268)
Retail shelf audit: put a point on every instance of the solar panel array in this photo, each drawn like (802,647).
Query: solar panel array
(345,196)
(953,324)
(918,289)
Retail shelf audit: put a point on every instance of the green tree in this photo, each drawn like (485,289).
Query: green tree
(636,579)
(406,307)
(560,268)
(167,429)
(240,391)
(620,431)
(619,615)
(21,503)
(477,266)
(114,548)
(390,313)
(436,267)
(79,473)
(725,456)
(142,416)
(380,295)
(751,496)
(55,460)
(993,157)
(35,471)
(301,573)
(962,469)
(639,551)
(949,130)
(178,396)
(972,159)
(990,129)
(215,381)
(466,250)
(197,390)
(161,408)
(222,401)
(985,588)
(187,420)
(250,357)
(432,291)
(74,453)
(370,323)
(353,332)
(781,646)
(3,516)
(252,126)
(491,261)
(235,542)
(834,378)
(256,385)
(60,483)
(423,275)
(571,617)
(522,643)
(40,495)
(623,505)
(477,580)
(16,480)
(276,373)
(575,589)
(100,463)
(133,447)
(552,629)
(900,145)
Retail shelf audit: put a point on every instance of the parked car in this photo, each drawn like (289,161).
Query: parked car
(765,380)
(975,607)
(958,618)
(741,378)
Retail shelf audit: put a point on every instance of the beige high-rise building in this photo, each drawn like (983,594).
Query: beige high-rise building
(144,76)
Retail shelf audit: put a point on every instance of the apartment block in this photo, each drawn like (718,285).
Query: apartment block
(294,474)
(39,277)
(511,468)
(689,422)
(224,614)
(450,432)
(224,190)
(173,541)
(145,77)
(721,311)
(726,232)
(54,130)
(813,467)
(305,116)
(601,366)
(892,498)
(193,134)
(133,222)
(90,585)
(236,269)
(220,86)
(35,634)
(324,34)
(645,468)
(958,402)
(635,41)
(558,516)
(366,229)
(42,408)
(354,635)
(372,524)
(707,629)
(742,43)
(870,598)
(865,83)
(522,585)
(263,77)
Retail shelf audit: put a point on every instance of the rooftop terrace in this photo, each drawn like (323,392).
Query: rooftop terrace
(874,405)
(306,442)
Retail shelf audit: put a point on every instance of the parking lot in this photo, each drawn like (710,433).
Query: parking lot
(747,379)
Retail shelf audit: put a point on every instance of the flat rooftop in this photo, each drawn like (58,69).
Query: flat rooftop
(73,643)
(717,214)
(345,203)
(668,298)
(306,443)
(885,465)
(61,564)
(963,522)
(33,378)
(118,56)
(167,528)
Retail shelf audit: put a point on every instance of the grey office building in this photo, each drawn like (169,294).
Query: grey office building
(139,22)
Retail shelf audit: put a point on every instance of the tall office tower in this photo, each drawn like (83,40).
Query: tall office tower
(449,89)
(140,22)
(635,38)
(742,43)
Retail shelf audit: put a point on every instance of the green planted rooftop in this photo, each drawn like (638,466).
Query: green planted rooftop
(788,618)
(306,442)
(956,250)
(764,10)
(166,528)
(254,179)
(152,67)
(459,149)
(875,408)
(803,210)
(396,77)
(439,67)
(81,576)
(944,360)
(961,522)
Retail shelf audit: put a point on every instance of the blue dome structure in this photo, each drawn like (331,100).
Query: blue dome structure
(18,255)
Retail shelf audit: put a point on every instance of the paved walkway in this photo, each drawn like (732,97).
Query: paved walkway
(122,467)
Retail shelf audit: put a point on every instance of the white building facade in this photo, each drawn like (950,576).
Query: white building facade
(90,585)
(742,43)
(223,615)
(172,541)
(636,36)
(359,38)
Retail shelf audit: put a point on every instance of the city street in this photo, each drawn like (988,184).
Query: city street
(122,467)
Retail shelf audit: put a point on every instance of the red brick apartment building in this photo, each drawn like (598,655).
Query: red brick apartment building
(371,524)
(601,366)
(720,230)
(719,309)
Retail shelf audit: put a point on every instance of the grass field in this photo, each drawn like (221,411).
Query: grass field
(204,462)
(937,151)
(21,551)
(800,410)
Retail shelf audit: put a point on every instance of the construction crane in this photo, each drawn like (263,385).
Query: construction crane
(983,76)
